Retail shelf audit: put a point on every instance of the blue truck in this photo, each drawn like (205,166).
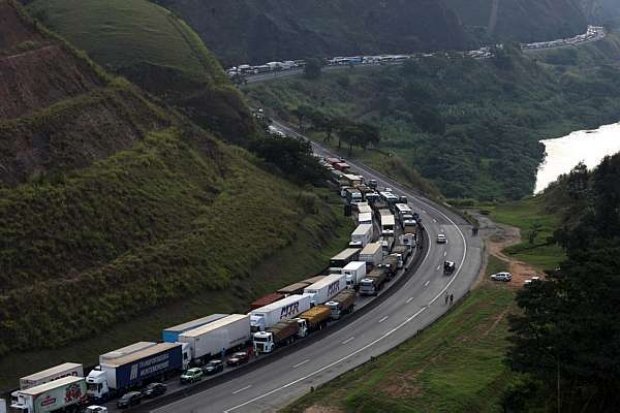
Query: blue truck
(134,370)
(171,334)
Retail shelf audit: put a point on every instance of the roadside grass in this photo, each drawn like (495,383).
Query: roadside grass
(528,214)
(456,365)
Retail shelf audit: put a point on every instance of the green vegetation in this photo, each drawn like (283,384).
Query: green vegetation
(456,365)
(155,49)
(115,210)
(249,31)
(472,127)
(537,223)
(565,338)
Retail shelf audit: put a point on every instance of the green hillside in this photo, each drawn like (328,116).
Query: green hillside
(155,49)
(119,217)
(471,126)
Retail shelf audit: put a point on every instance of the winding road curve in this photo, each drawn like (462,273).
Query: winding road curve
(415,305)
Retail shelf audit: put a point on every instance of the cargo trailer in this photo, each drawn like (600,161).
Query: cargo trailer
(266,300)
(296,288)
(361,236)
(171,334)
(341,304)
(64,394)
(338,262)
(125,351)
(51,374)
(354,272)
(289,307)
(219,336)
(325,289)
(372,254)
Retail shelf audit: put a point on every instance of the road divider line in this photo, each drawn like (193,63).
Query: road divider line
(438,267)
(427,283)
(348,340)
(301,363)
(242,389)
(410,299)
(384,318)
(330,365)
(445,253)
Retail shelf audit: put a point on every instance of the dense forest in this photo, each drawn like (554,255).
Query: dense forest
(565,339)
(471,126)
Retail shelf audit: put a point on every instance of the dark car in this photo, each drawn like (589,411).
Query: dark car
(448,267)
(154,390)
(213,367)
(238,358)
(129,399)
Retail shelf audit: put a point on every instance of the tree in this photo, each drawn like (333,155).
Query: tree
(313,68)
(534,231)
(301,112)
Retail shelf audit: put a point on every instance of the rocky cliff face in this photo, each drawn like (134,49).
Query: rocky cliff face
(253,31)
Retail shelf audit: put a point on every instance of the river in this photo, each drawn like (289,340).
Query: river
(589,147)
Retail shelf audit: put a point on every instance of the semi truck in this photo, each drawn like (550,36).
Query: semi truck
(361,236)
(403,250)
(315,318)
(289,307)
(354,272)
(282,333)
(64,394)
(266,300)
(171,334)
(338,262)
(364,218)
(51,374)
(219,336)
(296,288)
(325,289)
(372,254)
(117,375)
(372,284)
(341,304)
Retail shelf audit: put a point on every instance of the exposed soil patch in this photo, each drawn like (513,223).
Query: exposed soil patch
(322,409)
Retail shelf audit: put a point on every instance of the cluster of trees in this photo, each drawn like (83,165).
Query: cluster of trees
(567,338)
(346,130)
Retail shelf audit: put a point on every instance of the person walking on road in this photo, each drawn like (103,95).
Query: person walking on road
(451,299)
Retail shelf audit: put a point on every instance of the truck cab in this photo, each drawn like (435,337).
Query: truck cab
(266,341)
(97,385)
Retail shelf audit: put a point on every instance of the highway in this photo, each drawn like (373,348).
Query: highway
(415,305)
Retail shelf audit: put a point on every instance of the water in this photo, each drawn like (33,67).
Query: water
(589,147)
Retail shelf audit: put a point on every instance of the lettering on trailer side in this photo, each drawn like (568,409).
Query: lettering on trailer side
(333,288)
(289,310)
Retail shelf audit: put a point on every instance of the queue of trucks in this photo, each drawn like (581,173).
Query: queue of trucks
(274,320)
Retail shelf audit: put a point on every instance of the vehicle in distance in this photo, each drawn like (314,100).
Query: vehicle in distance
(441,239)
(154,390)
(213,367)
(192,375)
(238,358)
(129,399)
(501,276)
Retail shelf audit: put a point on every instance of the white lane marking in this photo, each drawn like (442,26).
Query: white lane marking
(348,340)
(438,267)
(410,299)
(445,253)
(383,318)
(301,363)
(424,210)
(330,365)
(242,389)
(427,283)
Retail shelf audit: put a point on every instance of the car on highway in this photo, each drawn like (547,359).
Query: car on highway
(238,358)
(213,367)
(154,390)
(448,267)
(501,276)
(441,238)
(192,375)
(96,409)
(129,399)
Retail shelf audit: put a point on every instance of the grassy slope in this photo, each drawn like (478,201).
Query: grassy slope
(148,32)
(125,237)
(453,366)
(155,49)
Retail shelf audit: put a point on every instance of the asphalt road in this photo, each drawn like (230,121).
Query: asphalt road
(416,304)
